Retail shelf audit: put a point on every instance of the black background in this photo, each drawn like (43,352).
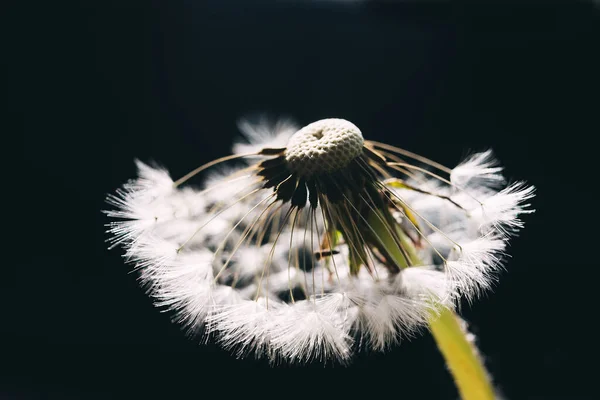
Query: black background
(91,86)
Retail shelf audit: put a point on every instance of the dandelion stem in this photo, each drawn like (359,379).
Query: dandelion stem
(461,355)
(449,331)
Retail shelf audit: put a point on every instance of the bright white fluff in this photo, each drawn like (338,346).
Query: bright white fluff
(426,284)
(240,262)
(245,327)
(501,210)
(473,266)
(306,331)
(261,135)
(477,170)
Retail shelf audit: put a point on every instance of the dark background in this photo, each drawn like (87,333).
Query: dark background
(90,86)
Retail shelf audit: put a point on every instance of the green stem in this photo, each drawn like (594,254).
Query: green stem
(461,355)
(448,329)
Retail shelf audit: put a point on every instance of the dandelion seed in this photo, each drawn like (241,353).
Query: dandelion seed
(319,243)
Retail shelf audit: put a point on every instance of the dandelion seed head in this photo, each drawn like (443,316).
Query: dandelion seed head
(320,244)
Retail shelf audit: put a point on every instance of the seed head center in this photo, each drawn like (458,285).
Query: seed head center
(325,146)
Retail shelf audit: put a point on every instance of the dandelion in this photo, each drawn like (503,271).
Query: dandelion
(315,242)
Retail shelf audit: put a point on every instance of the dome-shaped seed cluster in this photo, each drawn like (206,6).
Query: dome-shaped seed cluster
(324,146)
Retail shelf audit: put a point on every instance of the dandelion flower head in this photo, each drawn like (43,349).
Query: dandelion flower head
(317,241)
